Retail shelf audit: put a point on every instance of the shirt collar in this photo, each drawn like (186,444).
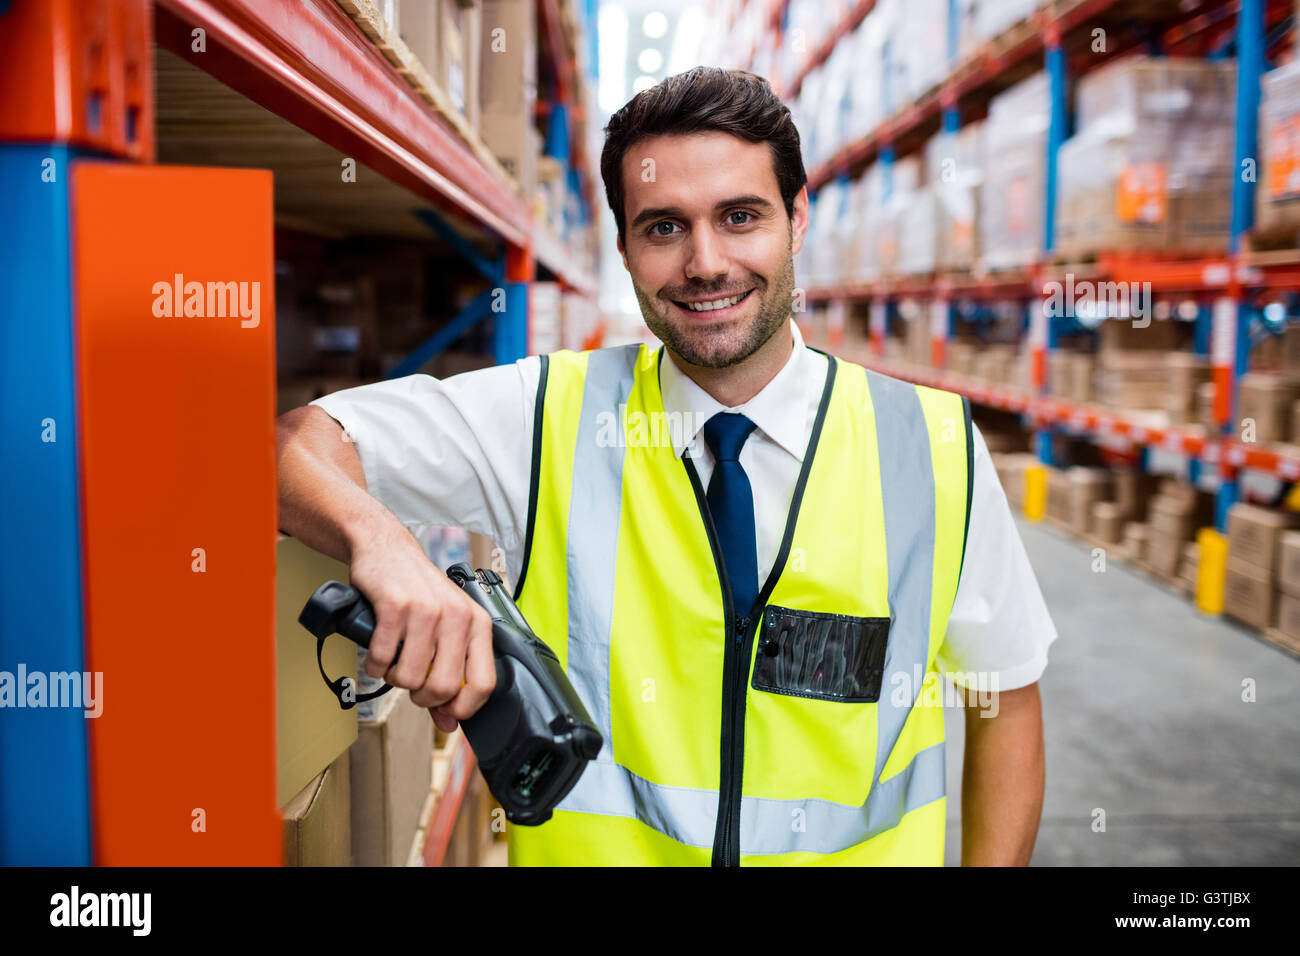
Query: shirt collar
(780,409)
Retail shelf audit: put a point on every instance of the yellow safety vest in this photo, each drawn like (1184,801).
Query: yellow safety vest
(804,735)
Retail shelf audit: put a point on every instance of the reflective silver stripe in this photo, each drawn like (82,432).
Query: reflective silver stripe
(605,787)
(908,493)
(689,815)
(592,537)
(820,826)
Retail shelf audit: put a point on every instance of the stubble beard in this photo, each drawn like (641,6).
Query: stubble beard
(726,345)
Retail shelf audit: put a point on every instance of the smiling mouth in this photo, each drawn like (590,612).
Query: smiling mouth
(725,305)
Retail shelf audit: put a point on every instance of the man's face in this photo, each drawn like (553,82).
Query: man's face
(705,225)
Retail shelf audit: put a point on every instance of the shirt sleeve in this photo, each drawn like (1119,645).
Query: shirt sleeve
(999,629)
(451,452)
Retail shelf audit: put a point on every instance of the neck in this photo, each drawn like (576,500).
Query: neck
(737,384)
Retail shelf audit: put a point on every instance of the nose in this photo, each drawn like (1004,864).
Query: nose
(706,258)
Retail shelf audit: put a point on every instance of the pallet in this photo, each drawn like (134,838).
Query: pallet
(1283,640)
(365,14)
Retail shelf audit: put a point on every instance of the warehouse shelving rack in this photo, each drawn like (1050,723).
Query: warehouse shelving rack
(1225,286)
(77,77)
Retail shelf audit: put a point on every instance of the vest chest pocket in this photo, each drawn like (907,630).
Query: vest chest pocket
(821,656)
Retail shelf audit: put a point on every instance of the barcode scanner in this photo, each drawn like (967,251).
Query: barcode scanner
(532,737)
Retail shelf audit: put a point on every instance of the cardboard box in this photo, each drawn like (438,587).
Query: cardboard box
(1188,563)
(467,835)
(1058,496)
(460,48)
(392,768)
(1171,518)
(318,821)
(1248,593)
(1135,540)
(1163,552)
(1288,563)
(1253,534)
(1288,615)
(1087,487)
(514,142)
(1107,522)
(311,729)
(1291,352)
(1267,400)
(508,55)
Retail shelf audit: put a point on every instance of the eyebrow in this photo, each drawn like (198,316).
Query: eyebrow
(663,212)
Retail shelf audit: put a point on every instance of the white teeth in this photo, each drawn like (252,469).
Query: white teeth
(715,304)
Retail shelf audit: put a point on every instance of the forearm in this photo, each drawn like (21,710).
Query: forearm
(323,499)
(1002,780)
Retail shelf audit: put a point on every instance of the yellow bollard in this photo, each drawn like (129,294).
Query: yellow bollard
(1035,492)
(1211,568)
(1292,500)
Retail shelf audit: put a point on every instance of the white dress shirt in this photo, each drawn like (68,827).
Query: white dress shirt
(458,452)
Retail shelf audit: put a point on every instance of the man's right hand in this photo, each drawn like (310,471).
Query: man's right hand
(446,660)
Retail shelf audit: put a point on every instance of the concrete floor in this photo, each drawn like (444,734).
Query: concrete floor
(1144,719)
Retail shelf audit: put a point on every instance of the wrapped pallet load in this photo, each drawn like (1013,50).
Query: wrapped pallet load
(1278,194)
(1150,166)
(1015,149)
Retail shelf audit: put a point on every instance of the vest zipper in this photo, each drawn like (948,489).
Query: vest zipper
(727,843)
(735,664)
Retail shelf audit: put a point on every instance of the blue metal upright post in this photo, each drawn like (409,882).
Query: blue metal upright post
(1250,65)
(1057,130)
(44,768)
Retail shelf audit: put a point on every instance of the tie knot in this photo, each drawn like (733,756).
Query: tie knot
(725,433)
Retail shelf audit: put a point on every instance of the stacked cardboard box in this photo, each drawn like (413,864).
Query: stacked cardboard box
(1187,566)
(1174,516)
(1264,405)
(1058,510)
(1107,522)
(1070,375)
(1149,165)
(391,771)
(317,822)
(1087,487)
(505,33)
(1277,197)
(1133,365)
(1288,585)
(1250,585)
(1010,467)
(1134,545)
(312,731)
(1187,373)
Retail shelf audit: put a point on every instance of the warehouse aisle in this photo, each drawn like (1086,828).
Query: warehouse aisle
(1142,702)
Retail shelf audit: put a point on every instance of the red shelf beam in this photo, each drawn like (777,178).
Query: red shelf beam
(306,61)
(1283,462)
(448,807)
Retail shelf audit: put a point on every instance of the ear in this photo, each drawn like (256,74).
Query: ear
(622,251)
(799,221)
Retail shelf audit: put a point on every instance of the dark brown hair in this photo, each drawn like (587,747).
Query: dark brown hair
(704,99)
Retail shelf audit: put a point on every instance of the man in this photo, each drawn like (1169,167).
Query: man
(753,559)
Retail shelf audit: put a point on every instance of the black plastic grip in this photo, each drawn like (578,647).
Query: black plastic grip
(336,608)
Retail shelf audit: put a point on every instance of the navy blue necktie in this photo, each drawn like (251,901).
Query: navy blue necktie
(731,502)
